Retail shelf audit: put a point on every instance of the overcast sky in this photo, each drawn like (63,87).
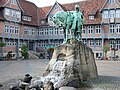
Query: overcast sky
(42,3)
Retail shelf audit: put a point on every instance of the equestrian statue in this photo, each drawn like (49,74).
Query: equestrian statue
(70,20)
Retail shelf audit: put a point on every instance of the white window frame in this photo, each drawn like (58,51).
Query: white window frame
(91,42)
(7,11)
(6,28)
(98,42)
(83,30)
(98,29)
(16,29)
(112,13)
(105,14)
(117,13)
(84,41)
(112,28)
(90,29)
(91,17)
(112,42)
(18,14)
(118,44)
(112,1)
(13,2)
(117,28)
(26,32)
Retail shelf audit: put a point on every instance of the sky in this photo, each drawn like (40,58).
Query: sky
(43,3)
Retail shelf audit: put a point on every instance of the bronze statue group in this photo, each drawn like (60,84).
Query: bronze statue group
(70,20)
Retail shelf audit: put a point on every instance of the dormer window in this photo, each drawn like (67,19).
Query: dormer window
(26,18)
(91,17)
(112,1)
(13,2)
(42,21)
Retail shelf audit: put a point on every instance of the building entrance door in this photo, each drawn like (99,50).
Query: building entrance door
(31,45)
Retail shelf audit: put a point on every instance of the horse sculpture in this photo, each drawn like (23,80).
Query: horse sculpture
(63,19)
(72,20)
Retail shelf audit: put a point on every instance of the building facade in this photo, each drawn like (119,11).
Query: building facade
(18,24)
(23,22)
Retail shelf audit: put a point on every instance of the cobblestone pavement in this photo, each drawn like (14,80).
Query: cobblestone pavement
(12,71)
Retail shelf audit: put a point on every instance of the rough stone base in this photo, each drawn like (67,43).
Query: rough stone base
(71,61)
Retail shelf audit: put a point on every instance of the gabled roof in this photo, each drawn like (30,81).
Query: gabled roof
(118,1)
(53,7)
(30,9)
(87,7)
(3,2)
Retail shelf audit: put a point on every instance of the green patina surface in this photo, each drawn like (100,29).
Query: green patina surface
(70,20)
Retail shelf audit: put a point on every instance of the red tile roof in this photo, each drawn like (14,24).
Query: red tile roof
(89,7)
(3,3)
(30,9)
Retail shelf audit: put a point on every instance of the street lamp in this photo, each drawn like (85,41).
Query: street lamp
(18,44)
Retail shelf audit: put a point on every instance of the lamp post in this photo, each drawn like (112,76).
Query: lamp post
(18,42)
(114,51)
(103,38)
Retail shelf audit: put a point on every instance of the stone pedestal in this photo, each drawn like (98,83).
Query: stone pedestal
(71,63)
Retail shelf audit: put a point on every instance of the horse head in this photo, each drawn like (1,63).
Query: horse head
(59,18)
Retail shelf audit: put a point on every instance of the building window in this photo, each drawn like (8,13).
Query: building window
(11,29)
(118,28)
(42,21)
(98,42)
(112,28)
(13,13)
(61,31)
(83,30)
(91,17)
(50,18)
(41,31)
(112,13)
(90,29)
(18,14)
(105,14)
(117,13)
(91,43)
(118,44)
(85,42)
(26,18)
(16,29)
(6,28)
(112,43)
(13,2)
(46,31)
(56,31)
(26,31)
(7,12)
(33,31)
(98,29)
(30,31)
(112,1)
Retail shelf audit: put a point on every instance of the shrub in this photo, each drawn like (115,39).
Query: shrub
(24,51)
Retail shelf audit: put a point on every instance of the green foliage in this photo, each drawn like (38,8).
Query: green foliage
(106,48)
(2,44)
(24,51)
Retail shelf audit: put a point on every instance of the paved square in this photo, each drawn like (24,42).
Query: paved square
(108,79)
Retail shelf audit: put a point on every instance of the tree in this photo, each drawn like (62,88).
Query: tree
(106,48)
(24,51)
(2,44)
